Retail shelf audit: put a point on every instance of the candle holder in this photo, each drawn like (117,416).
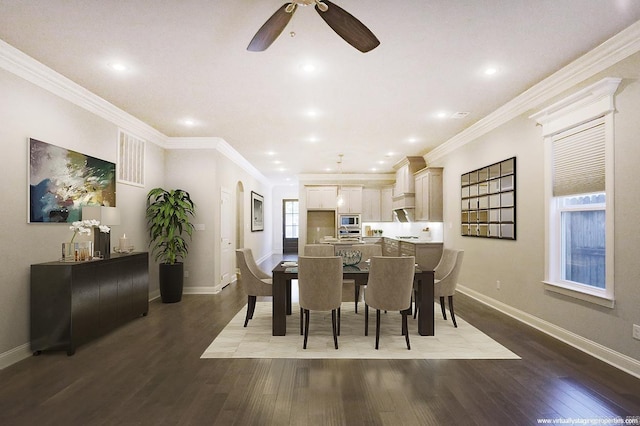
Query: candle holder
(125,250)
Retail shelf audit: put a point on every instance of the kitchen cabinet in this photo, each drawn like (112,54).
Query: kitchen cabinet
(352,199)
(322,197)
(390,247)
(427,254)
(404,189)
(405,168)
(428,186)
(73,303)
(371,205)
(377,204)
(386,204)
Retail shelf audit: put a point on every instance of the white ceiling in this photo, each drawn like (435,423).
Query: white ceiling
(188,59)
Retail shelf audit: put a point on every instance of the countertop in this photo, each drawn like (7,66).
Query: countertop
(407,240)
(415,240)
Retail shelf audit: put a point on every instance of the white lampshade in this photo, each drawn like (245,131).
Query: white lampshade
(105,215)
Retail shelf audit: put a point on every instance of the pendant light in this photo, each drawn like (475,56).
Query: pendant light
(340,199)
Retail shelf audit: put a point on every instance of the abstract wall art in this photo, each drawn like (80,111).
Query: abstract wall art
(61,181)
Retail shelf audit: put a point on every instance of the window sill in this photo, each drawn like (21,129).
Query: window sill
(576,294)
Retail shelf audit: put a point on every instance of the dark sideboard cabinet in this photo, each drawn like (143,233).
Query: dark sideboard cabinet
(73,303)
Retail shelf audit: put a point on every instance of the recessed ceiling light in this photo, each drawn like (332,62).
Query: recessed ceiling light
(308,67)
(442,114)
(312,113)
(389,154)
(118,66)
(373,169)
(412,140)
(381,162)
(271,153)
(490,71)
(277,162)
(189,122)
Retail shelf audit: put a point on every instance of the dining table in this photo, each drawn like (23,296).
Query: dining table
(284,272)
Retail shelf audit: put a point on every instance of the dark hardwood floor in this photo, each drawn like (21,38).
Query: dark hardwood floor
(149,372)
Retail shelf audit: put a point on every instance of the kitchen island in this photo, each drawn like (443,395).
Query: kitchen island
(427,253)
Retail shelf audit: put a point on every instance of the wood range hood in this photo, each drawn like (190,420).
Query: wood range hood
(404,191)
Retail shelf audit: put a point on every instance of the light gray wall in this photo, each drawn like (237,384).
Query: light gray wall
(27,111)
(519,265)
(203,172)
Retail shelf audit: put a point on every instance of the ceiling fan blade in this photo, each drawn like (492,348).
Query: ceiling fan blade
(271,29)
(348,27)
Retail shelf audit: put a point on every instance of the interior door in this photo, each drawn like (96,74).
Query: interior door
(290,216)
(226,237)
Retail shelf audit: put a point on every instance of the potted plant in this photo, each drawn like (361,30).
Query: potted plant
(168,219)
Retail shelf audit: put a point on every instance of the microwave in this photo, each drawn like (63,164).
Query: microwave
(349,220)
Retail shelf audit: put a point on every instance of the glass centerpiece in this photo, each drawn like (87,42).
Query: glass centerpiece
(350,257)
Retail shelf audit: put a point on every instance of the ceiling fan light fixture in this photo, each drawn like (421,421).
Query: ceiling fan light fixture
(322,6)
(291,7)
(340,199)
(341,22)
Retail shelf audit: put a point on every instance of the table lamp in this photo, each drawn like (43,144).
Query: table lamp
(106,216)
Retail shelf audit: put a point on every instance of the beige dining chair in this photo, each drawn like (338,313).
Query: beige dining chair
(320,289)
(350,291)
(318,250)
(389,288)
(252,280)
(446,279)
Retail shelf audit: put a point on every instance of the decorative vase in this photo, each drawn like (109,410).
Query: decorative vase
(171,282)
(78,251)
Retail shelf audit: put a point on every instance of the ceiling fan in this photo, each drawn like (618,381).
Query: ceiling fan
(342,22)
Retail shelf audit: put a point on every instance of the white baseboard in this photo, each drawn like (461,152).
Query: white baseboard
(14,355)
(611,357)
(203,290)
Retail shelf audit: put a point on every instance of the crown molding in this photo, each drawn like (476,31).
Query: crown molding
(612,51)
(347,178)
(22,65)
(221,146)
(587,104)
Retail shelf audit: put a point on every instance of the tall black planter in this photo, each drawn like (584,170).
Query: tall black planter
(171,282)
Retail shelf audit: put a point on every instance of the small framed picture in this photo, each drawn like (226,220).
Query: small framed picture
(257,212)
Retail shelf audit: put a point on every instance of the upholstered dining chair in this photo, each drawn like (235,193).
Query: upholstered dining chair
(318,250)
(350,291)
(315,250)
(389,288)
(445,281)
(252,279)
(320,289)
(446,275)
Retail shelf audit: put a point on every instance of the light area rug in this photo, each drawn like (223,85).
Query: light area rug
(256,341)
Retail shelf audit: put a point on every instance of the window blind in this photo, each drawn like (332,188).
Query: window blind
(579,160)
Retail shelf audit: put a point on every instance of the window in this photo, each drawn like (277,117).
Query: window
(582,239)
(578,136)
(291,219)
